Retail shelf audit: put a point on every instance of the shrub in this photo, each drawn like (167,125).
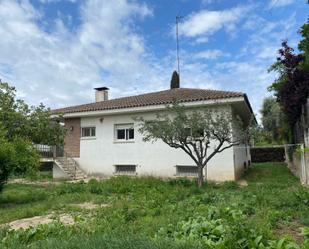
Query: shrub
(17,157)
(26,158)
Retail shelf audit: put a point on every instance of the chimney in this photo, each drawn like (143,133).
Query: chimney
(101,94)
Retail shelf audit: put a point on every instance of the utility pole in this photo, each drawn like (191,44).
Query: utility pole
(177,41)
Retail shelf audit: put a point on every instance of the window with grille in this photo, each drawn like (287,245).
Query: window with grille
(88,131)
(124,132)
(186,171)
(125,169)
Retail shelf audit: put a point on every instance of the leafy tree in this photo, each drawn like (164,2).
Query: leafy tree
(291,87)
(304,45)
(6,157)
(21,127)
(175,81)
(272,121)
(32,123)
(16,157)
(200,134)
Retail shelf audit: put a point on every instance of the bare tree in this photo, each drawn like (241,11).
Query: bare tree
(200,134)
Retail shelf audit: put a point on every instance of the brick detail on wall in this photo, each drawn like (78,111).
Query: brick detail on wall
(72,139)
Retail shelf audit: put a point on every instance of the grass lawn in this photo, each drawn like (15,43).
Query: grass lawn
(141,213)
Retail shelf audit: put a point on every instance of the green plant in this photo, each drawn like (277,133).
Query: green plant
(95,187)
(148,212)
(303,196)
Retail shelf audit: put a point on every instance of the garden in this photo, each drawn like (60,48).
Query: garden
(272,211)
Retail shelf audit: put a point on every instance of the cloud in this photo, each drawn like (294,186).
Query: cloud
(206,2)
(56,1)
(206,22)
(210,54)
(248,76)
(61,67)
(280,3)
(267,36)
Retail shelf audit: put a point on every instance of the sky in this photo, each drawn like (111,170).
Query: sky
(56,51)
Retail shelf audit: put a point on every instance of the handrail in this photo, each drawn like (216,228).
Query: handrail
(48,151)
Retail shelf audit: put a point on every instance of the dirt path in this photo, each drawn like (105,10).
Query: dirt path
(65,219)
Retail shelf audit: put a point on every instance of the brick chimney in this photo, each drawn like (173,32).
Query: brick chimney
(101,94)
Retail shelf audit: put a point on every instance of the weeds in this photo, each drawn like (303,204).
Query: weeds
(165,214)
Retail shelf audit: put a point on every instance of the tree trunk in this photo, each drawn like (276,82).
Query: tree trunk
(200,176)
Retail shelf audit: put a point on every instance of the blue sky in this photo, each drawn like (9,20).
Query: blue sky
(56,51)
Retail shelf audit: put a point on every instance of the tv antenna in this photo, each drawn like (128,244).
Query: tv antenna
(178,18)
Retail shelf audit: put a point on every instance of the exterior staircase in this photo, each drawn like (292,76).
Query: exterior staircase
(70,167)
(62,159)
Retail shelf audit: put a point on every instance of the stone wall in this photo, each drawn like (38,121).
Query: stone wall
(72,139)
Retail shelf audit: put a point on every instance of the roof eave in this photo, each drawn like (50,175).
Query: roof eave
(250,107)
(150,108)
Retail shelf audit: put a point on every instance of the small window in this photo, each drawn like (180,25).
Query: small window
(125,169)
(124,132)
(88,131)
(186,171)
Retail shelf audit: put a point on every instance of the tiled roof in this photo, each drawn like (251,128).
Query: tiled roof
(149,99)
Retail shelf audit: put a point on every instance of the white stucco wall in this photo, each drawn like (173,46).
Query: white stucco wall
(99,155)
(58,173)
(241,151)
(240,159)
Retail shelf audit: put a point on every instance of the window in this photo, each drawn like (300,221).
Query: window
(186,171)
(88,131)
(125,169)
(124,132)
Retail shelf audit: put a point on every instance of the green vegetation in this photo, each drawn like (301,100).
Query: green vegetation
(272,130)
(21,126)
(271,212)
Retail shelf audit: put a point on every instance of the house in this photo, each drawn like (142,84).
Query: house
(103,138)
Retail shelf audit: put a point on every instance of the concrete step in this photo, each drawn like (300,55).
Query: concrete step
(70,167)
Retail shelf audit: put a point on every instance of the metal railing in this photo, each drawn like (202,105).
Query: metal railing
(58,152)
(48,151)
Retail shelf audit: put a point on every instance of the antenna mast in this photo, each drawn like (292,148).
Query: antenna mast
(177,41)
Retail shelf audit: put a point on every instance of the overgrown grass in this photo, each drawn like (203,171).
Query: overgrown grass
(153,213)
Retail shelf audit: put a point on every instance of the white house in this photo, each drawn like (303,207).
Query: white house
(103,137)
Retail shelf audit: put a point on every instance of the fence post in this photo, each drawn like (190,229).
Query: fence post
(286,155)
(303,165)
